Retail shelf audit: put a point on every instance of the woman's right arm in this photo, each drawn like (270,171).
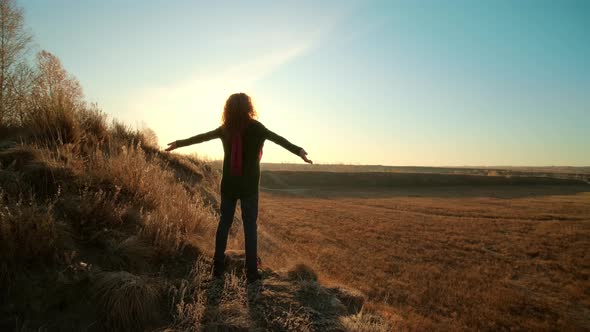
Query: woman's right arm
(195,139)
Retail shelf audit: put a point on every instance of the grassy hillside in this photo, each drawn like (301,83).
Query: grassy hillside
(99,230)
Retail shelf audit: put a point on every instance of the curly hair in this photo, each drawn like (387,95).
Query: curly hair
(237,112)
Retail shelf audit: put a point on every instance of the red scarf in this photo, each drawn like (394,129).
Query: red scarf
(237,154)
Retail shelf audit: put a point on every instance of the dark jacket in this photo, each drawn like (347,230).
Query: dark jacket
(252,142)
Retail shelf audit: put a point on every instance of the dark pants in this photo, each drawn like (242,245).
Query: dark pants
(249,207)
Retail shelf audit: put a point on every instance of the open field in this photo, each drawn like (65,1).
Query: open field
(488,257)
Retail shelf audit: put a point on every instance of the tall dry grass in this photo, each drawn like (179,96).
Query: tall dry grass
(127,302)
(80,193)
(113,171)
(27,231)
(54,123)
(169,214)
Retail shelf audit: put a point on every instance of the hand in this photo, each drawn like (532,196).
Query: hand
(171,146)
(303,156)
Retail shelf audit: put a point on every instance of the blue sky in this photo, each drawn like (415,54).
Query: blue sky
(363,82)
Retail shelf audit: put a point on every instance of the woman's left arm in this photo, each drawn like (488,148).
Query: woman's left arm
(195,139)
(287,145)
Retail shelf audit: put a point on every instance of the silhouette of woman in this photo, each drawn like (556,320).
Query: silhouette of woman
(243,138)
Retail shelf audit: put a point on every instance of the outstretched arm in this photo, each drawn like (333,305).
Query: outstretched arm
(195,139)
(287,145)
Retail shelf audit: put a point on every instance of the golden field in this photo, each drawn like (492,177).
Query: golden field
(462,257)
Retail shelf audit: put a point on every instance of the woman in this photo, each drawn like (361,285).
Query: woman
(243,138)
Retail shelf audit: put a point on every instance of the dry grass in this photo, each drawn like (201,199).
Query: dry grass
(127,302)
(93,123)
(81,196)
(169,214)
(54,124)
(459,259)
(302,272)
(27,232)
(365,323)
(130,254)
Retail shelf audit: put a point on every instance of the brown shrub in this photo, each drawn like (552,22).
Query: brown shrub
(93,209)
(45,180)
(27,231)
(363,322)
(54,124)
(18,156)
(11,184)
(133,254)
(125,301)
(8,133)
(170,214)
(122,133)
(93,124)
(126,135)
(302,272)
(148,137)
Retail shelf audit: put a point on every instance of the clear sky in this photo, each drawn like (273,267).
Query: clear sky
(365,82)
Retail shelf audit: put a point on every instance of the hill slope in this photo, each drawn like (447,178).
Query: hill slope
(100,230)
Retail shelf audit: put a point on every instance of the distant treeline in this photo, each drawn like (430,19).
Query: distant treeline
(294,179)
(558,172)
